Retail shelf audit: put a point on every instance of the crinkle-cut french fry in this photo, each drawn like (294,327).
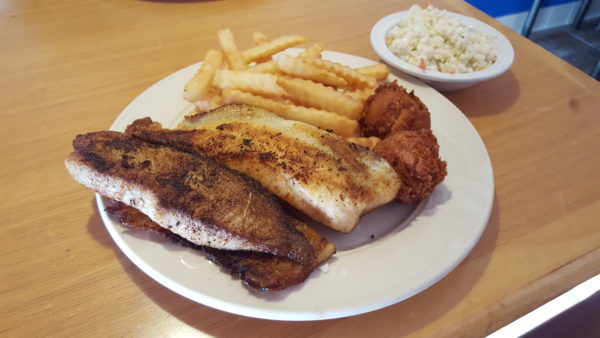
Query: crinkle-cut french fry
(312,52)
(272,47)
(323,119)
(259,38)
(199,85)
(369,142)
(265,67)
(352,76)
(339,125)
(297,67)
(256,83)
(361,94)
(316,95)
(237,96)
(232,53)
(204,106)
(379,71)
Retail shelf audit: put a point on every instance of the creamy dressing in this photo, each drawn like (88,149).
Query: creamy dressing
(432,39)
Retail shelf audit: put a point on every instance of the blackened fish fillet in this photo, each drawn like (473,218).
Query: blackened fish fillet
(331,180)
(260,271)
(188,194)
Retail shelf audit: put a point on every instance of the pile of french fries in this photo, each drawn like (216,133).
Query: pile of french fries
(304,88)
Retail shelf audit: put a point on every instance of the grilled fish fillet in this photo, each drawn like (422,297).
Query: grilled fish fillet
(257,270)
(189,194)
(332,181)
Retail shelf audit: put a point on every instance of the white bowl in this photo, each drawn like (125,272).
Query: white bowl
(438,80)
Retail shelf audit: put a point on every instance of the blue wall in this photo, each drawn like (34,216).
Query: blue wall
(496,8)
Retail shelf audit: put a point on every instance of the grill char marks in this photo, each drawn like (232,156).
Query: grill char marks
(189,194)
(257,270)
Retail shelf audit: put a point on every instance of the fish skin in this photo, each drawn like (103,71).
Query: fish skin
(189,194)
(331,180)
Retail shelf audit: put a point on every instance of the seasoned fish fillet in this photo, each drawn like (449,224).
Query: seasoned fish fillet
(258,270)
(332,181)
(189,194)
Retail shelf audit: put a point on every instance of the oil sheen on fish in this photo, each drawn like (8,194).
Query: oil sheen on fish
(257,270)
(188,194)
(329,179)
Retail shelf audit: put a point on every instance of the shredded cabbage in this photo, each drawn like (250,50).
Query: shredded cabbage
(432,39)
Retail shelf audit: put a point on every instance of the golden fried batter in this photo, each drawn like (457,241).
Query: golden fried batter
(393,109)
(415,157)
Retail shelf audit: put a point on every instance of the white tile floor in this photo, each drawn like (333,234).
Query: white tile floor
(548,310)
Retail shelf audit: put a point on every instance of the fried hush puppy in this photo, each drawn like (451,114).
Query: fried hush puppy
(415,157)
(390,109)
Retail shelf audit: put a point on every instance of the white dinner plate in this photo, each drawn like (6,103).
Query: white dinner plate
(396,251)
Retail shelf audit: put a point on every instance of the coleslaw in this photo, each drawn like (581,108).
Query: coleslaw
(432,39)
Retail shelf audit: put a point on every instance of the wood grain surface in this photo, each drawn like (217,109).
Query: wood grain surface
(71,66)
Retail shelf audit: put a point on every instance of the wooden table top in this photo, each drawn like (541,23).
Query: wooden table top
(71,66)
